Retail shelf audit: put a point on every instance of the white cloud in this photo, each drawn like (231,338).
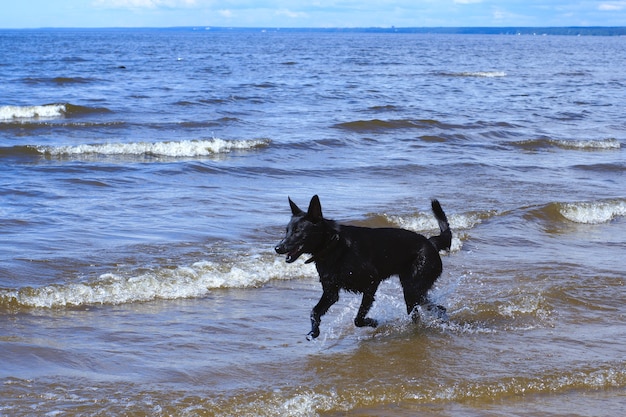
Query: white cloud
(290,14)
(225,13)
(612,6)
(505,17)
(311,13)
(499,14)
(143,4)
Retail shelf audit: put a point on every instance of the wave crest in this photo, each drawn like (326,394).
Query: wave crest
(20,114)
(48,111)
(184,148)
(197,280)
(299,400)
(479,74)
(426,221)
(594,212)
(421,222)
(569,144)
(555,216)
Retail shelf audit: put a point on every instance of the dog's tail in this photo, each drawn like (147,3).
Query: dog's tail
(444,240)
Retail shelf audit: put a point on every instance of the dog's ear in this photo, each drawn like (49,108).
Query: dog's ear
(315,209)
(295,210)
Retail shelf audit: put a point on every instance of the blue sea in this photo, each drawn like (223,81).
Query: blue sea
(144,176)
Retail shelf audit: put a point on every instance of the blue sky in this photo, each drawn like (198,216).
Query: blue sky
(311,13)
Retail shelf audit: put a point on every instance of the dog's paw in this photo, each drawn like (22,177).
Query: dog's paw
(429,311)
(313,334)
(366,322)
(438,311)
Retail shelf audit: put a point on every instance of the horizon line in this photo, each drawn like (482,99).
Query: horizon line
(388,28)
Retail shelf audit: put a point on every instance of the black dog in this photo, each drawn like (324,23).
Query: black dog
(358,259)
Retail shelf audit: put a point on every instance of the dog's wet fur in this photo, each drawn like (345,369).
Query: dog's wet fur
(358,259)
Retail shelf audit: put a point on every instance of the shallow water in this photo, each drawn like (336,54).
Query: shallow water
(145,176)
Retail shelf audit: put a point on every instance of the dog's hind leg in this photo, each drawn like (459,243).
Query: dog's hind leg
(417,281)
(416,295)
(361,319)
(329,297)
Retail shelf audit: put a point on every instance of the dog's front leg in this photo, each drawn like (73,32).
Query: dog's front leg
(329,297)
(361,320)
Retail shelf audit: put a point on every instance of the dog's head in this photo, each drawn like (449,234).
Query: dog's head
(305,231)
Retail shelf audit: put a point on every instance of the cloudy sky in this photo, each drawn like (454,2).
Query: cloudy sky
(311,13)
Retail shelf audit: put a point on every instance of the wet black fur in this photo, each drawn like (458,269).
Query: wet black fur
(358,259)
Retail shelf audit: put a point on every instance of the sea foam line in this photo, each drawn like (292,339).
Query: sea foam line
(480,74)
(48,111)
(184,148)
(422,222)
(593,212)
(194,281)
(310,401)
(570,144)
(426,221)
(609,143)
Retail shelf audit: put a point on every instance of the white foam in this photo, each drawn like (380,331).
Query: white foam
(529,304)
(302,400)
(559,381)
(426,222)
(313,400)
(305,404)
(48,111)
(484,74)
(184,148)
(589,144)
(487,74)
(423,221)
(594,212)
(192,281)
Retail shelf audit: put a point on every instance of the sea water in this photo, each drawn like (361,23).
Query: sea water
(144,183)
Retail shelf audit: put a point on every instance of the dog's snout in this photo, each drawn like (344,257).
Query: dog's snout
(280,248)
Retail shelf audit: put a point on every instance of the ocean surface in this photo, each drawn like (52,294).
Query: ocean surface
(144,177)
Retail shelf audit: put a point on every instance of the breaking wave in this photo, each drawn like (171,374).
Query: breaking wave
(426,221)
(483,74)
(311,399)
(194,281)
(12,113)
(184,148)
(200,278)
(582,144)
(307,401)
(593,212)
(422,222)
(557,215)
(46,112)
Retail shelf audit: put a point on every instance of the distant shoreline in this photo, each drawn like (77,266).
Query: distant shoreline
(512,30)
